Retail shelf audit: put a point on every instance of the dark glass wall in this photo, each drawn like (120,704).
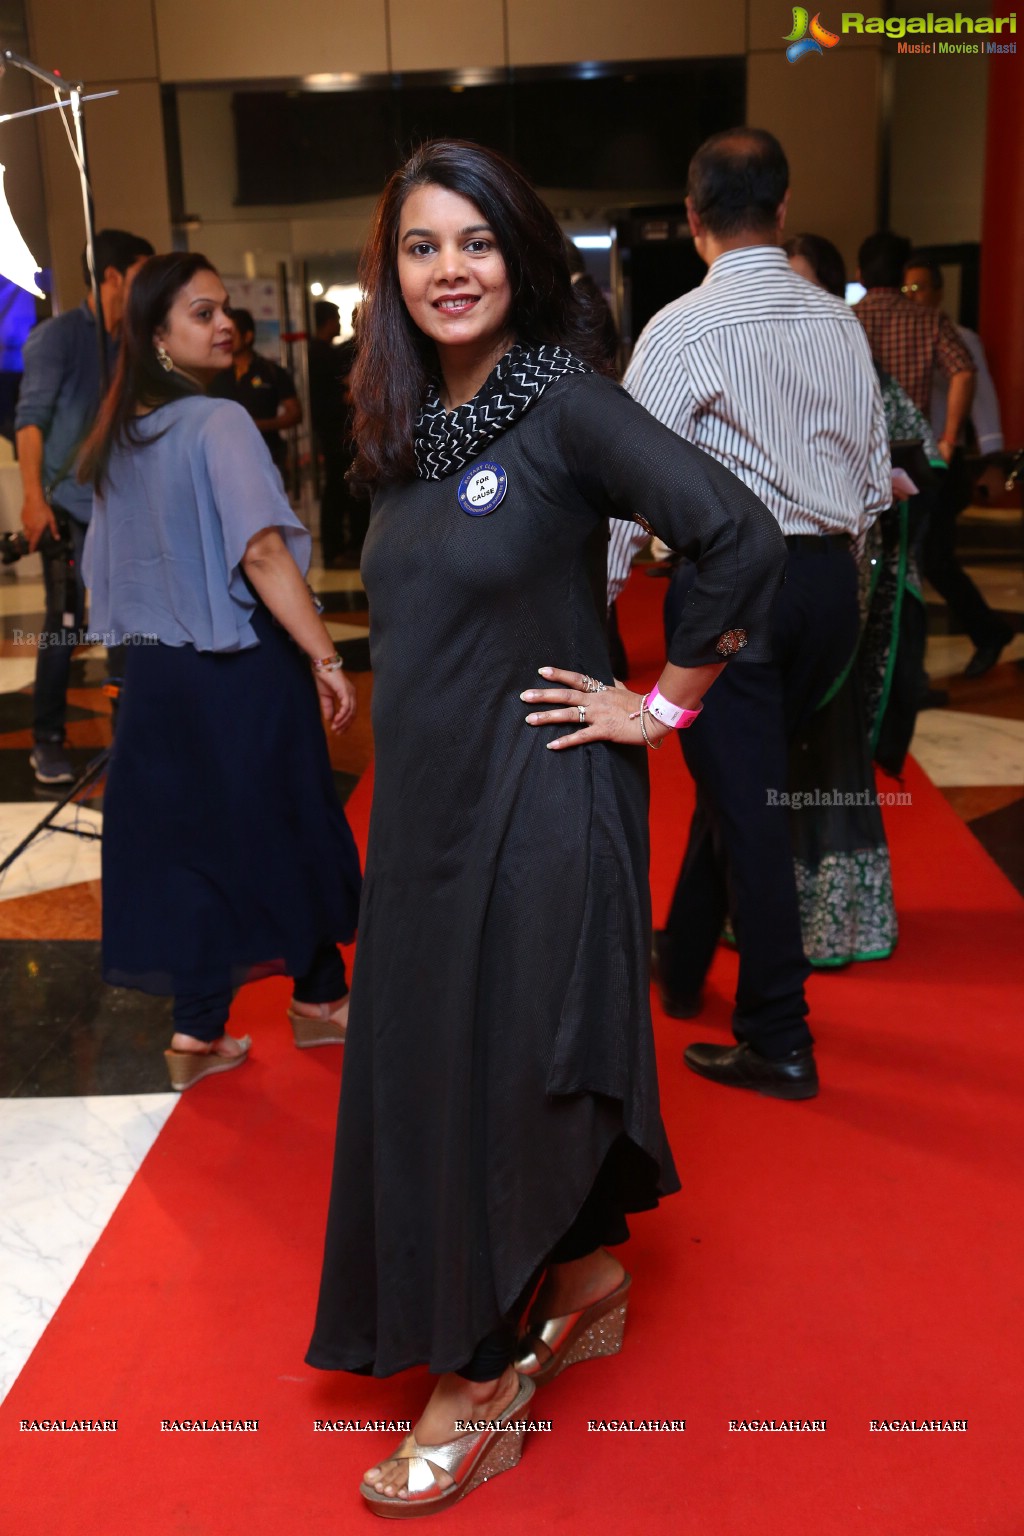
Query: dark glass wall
(629,129)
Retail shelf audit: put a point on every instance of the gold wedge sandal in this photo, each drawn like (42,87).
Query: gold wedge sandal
(186,1068)
(323,1029)
(468,1459)
(549,1346)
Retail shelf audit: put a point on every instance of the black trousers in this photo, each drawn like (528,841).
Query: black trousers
(942,568)
(739,858)
(62,626)
(344,517)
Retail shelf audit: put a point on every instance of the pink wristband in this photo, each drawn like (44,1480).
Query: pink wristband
(668,713)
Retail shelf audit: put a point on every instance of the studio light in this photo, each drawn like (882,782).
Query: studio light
(17,263)
(16,260)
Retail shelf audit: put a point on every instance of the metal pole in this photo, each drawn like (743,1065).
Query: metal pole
(75,90)
(90,772)
(88,208)
(47,76)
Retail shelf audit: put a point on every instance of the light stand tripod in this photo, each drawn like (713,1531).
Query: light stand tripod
(92,771)
(74,92)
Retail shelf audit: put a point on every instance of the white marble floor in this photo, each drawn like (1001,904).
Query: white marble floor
(957,748)
(343,632)
(54,858)
(1002,585)
(66,1164)
(947,655)
(17,672)
(21,587)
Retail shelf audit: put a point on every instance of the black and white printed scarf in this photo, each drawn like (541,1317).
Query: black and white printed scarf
(447,441)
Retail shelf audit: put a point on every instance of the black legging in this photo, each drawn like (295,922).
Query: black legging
(600,1223)
(204,1015)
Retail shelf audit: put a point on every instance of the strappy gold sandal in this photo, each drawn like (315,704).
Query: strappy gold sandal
(468,1459)
(186,1068)
(322,1029)
(548,1347)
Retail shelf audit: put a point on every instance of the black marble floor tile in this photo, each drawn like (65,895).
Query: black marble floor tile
(67,1034)
(344,602)
(1001,834)
(355,654)
(18,781)
(16,711)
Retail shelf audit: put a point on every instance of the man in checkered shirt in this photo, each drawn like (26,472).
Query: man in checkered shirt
(920,346)
(910,342)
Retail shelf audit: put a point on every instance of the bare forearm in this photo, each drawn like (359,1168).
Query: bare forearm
(289,415)
(686,686)
(30,461)
(278,582)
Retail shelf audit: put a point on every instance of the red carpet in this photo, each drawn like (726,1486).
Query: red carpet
(855,1258)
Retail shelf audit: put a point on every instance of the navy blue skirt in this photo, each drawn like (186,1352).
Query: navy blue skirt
(226,852)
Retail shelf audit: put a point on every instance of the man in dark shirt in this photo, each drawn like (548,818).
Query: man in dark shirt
(922,284)
(343,517)
(263,387)
(60,395)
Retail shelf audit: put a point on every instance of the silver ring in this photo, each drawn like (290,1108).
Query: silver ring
(583,714)
(591,685)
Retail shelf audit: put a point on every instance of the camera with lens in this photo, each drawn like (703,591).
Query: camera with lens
(58,550)
(13,546)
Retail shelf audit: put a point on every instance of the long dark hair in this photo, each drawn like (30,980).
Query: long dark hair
(395,360)
(139,380)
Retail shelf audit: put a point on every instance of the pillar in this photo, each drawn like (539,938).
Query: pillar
(1002,245)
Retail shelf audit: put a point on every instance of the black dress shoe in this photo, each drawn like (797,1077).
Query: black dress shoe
(985,658)
(676,1005)
(739,1066)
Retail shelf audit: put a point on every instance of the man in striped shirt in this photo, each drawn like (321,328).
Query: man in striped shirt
(773,377)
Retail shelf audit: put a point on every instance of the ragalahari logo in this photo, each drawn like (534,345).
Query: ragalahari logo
(808,35)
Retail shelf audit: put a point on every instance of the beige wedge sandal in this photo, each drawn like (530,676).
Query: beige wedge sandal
(322,1029)
(549,1346)
(469,1460)
(186,1068)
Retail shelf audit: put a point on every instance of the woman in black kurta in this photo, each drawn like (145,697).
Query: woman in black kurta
(501,1055)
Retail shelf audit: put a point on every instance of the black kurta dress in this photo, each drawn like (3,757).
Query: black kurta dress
(500,1040)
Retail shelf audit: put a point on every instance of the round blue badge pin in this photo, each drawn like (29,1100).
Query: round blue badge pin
(482,489)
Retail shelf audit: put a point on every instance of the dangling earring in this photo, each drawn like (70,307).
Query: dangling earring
(163,357)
